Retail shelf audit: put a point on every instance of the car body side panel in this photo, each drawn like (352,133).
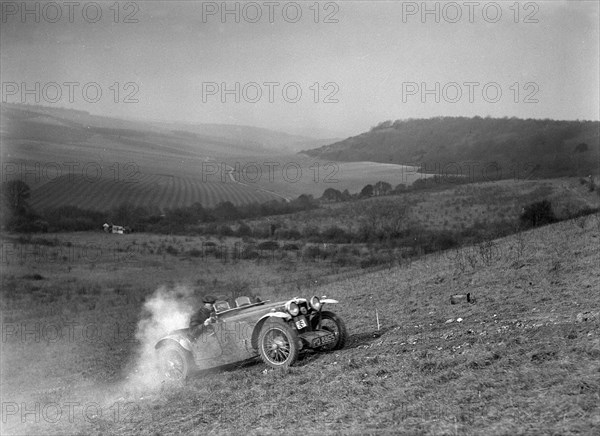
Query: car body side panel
(223,343)
(236,340)
(207,348)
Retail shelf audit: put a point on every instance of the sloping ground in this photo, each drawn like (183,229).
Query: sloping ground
(490,206)
(523,359)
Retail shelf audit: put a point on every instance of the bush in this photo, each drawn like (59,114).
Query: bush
(537,214)
(313,252)
(444,240)
(337,235)
(172,250)
(54,242)
(244,230)
(249,253)
(269,245)
(311,233)
(225,230)
(288,234)
(194,252)
(345,259)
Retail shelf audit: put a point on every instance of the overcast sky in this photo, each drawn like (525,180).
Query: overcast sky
(371,61)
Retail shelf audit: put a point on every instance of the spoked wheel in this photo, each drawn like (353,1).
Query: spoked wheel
(278,344)
(334,324)
(175,362)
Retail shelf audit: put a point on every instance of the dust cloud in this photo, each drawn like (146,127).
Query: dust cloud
(166,310)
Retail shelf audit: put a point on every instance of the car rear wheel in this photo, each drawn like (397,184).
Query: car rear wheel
(175,363)
(278,344)
(334,324)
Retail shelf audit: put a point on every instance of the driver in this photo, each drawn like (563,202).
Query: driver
(203,316)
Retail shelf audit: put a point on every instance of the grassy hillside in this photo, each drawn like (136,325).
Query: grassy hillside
(481,148)
(73,158)
(523,359)
(475,210)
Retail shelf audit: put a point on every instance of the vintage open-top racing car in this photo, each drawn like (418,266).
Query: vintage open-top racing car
(276,332)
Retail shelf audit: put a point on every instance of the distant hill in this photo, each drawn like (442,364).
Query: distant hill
(261,139)
(539,148)
(47,123)
(70,157)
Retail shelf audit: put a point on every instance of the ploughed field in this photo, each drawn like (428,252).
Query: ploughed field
(161,191)
(108,183)
(523,359)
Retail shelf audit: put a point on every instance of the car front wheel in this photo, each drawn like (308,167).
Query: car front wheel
(334,324)
(174,362)
(278,344)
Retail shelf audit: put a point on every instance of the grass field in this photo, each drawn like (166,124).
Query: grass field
(522,360)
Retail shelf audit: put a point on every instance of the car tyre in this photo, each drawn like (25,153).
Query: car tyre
(334,324)
(175,363)
(278,344)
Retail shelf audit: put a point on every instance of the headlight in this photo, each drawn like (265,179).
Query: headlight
(315,303)
(292,308)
